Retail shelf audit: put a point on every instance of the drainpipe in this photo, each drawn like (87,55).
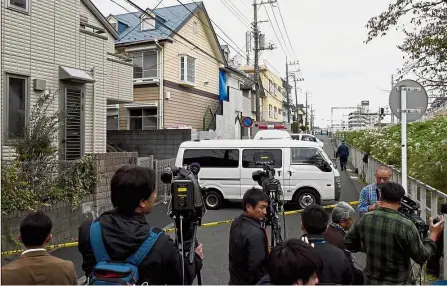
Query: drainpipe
(94,113)
(161,86)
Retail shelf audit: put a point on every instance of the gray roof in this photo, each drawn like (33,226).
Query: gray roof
(173,17)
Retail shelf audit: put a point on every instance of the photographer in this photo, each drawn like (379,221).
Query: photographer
(248,247)
(124,230)
(390,240)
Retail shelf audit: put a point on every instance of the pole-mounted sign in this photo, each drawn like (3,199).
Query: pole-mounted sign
(408,102)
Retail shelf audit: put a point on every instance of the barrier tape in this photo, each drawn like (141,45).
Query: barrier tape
(209,224)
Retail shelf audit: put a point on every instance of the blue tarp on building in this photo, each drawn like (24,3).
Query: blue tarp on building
(223,92)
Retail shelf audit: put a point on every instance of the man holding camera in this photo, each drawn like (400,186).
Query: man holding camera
(124,230)
(390,240)
(248,247)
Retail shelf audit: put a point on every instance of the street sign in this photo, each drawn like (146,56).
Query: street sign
(247,121)
(408,102)
(416,100)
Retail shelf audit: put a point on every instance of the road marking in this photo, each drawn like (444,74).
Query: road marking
(171,229)
(354,178)
(349,170)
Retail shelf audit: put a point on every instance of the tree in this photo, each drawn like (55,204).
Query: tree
(425,45)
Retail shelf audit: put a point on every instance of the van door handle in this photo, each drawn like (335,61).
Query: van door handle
(290,173)
(279,173)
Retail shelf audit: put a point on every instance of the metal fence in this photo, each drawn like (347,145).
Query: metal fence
(429,198)
(163,190)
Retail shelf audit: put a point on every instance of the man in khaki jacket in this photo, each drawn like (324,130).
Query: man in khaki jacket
(35,266)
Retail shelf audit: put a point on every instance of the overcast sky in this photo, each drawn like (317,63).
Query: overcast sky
(339,70)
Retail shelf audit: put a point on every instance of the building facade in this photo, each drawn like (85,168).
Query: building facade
(271,92)
(176,58)
(68,50)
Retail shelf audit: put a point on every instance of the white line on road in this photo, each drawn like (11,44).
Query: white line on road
(354,178)
(349,170)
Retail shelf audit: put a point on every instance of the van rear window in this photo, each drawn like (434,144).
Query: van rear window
(212,158)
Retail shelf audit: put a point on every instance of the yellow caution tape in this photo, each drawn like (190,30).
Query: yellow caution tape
(209,224)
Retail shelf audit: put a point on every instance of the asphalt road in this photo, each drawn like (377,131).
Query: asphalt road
(215,239)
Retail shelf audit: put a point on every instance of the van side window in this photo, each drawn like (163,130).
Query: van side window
(212,158)
(305,156)
(252,158)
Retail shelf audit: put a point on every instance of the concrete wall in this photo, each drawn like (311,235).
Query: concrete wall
(65,220)
(162,143)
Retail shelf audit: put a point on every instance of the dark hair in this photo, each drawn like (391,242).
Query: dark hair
(315,219)
(129,186)
(35,228)
(253,197)
(392,192)
(292,260)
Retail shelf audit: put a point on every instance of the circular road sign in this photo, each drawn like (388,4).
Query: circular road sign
(247,121)
(415,99)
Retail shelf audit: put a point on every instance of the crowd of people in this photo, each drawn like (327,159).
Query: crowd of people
(322,255)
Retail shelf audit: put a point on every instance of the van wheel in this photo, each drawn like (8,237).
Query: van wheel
(306,197)
(213,200)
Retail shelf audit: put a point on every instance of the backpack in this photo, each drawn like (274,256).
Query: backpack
(108,272)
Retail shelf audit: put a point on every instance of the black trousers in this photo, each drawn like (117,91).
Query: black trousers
(343,162)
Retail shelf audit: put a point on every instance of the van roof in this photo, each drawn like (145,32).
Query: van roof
(275,143)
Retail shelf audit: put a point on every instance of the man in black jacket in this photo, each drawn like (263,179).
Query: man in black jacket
(248,248)
(124,230)
(336,268)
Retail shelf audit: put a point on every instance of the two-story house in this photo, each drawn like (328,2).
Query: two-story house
(271,93)
(66,48)
(176,58)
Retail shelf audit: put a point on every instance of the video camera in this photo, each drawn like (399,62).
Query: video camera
(412,211)
(187,207)
(272,187)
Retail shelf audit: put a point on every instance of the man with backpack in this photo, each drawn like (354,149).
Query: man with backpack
(121,248)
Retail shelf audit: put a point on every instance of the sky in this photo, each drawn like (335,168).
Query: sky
(338,68)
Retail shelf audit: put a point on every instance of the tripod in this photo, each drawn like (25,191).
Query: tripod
(272,219)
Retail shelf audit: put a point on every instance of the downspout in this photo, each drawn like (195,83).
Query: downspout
(161,86)
(93,111)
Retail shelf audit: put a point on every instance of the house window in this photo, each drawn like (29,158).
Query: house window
(145,64)
(142,118)
(20,5)
(187,69)
(16,102)
(276,112)
(147,23)
(195,28)
(115,26)
(270,110)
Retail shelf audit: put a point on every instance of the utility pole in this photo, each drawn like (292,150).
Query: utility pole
(288,92)
(257,48)
(307,109)
(296,94)
(392,84)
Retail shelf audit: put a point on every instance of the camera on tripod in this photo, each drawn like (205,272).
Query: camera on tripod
(187,207)
(412,211)
(272,187)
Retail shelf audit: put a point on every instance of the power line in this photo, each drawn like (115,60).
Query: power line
(287,34)
(211,29)
(274,31)
(162,24)
(239,12)
(280,31)
(235,14)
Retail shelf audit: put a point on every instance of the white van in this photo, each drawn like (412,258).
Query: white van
(306,173)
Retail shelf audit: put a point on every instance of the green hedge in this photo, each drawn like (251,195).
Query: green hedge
(426,148)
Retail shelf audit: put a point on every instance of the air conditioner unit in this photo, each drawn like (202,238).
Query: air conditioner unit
(145,80)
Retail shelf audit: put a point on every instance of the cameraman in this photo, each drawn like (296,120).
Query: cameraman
(124,229)
(390,240)
(248,247)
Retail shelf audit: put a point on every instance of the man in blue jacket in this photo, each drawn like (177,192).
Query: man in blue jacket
(343,153)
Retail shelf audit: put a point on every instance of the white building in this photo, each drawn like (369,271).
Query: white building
(69,48)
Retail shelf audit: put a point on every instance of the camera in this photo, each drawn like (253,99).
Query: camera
(187,207)
(272,187)
(412,211)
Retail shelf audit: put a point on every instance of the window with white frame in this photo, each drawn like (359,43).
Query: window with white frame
(142,118)
(187,69)
(145,64)
(147,23)
(16,105)
(270,110)
(276,112)
(20,5)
